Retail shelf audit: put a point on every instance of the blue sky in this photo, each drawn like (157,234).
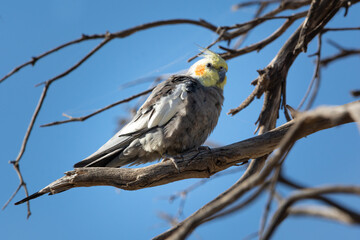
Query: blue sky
(28,28)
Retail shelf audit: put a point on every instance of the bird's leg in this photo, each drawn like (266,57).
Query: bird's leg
(170,158)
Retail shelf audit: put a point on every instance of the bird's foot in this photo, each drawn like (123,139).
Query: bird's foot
(170,158)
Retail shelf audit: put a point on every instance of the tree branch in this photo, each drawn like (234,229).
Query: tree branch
(281,212)
(196,164)
(301,125)
(328,213)
(83,118)
(120,34)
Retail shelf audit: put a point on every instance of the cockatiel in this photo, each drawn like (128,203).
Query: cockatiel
(179,115)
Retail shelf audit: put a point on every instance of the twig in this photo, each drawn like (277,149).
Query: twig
(120,34)
(272,186)
(242,38)
(342,54)
(184,228)
(241,205)
(328,213)
(258,89)
(83,118)
(281,212)
(231,53)
(315,79)
(16,162)
(250,3)
(334,204)
(340,29)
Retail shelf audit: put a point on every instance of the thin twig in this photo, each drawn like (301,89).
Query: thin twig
(286,181)
(83,118)
(328,213)
(272,186)
(250,3)
(16,162)
(315,79)
(120,34)
(75,66)
(231,53)
(241,205)
(281,212)
(340,29)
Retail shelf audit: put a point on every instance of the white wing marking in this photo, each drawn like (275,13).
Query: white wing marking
(163,111)
(167,107)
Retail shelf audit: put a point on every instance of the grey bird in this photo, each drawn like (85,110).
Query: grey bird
(179,115)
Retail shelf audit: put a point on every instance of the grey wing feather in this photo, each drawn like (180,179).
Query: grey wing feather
(158,109)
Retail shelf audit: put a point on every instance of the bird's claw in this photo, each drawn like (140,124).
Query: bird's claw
(170,158)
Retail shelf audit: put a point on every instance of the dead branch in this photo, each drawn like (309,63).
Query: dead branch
(327,201)
(301,124)
(83,118)
(16,162)
(197,164)
(315,81)
(231,53)
(343,53)
(328,213)
(281,212)
(120,34)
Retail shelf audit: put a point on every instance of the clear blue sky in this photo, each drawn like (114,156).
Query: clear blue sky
(29,28)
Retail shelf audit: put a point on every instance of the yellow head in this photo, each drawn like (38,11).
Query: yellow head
(210,71)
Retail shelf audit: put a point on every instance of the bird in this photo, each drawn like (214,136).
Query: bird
(178,116)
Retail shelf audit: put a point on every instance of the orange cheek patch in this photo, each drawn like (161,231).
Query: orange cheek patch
(200,70)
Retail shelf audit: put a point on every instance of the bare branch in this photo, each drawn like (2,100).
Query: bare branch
(205,163)
(231,53)
(315,79)
(309,24)
(16,162)
(323,199)
(281,212)
(239,206)
(272,187)
(188,225)
(342,54)
(120,34)
(329,213)
(83,118)
(250,3)
(340,29)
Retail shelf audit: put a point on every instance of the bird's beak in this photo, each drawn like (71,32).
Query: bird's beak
(222,75)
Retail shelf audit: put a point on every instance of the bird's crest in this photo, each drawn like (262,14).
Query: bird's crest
(214,57)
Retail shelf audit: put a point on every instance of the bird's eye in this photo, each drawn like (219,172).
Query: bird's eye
(221,68)
(209,65)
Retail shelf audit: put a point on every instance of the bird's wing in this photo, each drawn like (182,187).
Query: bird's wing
(162,105)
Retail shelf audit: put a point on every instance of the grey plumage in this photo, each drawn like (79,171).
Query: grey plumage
(178,116)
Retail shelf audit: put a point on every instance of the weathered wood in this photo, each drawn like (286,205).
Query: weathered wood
(194,164)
